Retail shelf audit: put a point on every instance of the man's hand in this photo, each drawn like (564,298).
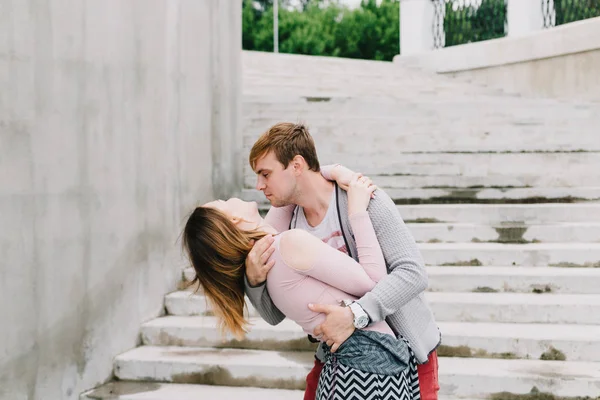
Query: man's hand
(257,262)
(338,326)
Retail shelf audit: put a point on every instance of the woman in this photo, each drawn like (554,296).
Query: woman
(372,363)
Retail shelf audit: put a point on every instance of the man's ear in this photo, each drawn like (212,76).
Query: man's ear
(298,164)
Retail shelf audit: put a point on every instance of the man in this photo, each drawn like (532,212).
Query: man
(285,161)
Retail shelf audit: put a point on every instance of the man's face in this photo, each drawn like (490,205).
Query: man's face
(275,181)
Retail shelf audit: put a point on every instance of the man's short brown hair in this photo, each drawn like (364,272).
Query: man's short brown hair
(286,140)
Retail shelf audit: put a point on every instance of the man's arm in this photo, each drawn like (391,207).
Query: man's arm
(407,276)
(260,299)
(255,279)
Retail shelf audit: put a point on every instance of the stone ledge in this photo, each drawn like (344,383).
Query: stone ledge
(562,40)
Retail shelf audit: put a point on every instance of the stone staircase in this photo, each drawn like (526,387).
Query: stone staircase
(501,193)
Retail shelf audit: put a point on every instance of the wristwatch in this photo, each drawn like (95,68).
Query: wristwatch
(361,318)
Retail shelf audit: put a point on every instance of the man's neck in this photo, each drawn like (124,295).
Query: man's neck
(315,196)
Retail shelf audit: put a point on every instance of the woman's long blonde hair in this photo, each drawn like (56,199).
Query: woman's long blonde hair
(217,249)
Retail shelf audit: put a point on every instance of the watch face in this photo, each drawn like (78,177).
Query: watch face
(361,322)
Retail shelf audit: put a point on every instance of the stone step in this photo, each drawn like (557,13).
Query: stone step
(202,331)
(529,214)
(263,108)
(506,233)
(190,303)
(269,62)
(539,280)
(283,66)
(533,168)
(388,174)
(359,142)
(460,377)
(366,87)
(334,84)
(259,102)
(368,128)
(185,302)
(524,179)
(489,214)
(575,342)
(494,195)
(131,390)
(526,308)
(267,73)
(476,196)
(532,255)
(531,341)
(511,279)
(225,367)
(522,308)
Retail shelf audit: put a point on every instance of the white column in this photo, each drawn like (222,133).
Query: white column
(276,26)
(525,16)
(416,26)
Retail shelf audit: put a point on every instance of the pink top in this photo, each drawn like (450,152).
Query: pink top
(307,270)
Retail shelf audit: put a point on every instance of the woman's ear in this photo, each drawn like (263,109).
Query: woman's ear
(235,219)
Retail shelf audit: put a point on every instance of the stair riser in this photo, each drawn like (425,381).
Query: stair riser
(525,348)
(296,340)
(335,134)
(482,386)
(445,279)
(513,284)
(237,375)
(523,168)
(257,339)
(128,390)
(451,384)
(541,179)
(197,305)
(432,233)
(525,257)
(499,214)
(513,313)
(475,196)
(455,311)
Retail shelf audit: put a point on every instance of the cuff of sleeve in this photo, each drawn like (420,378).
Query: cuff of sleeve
(369,304)
(250,286)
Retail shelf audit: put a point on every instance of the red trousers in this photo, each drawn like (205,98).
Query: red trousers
(428,379)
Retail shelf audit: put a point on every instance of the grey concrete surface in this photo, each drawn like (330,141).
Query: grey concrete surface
(171,391)
(109,111)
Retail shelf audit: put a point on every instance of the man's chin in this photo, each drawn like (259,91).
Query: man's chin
(277,203)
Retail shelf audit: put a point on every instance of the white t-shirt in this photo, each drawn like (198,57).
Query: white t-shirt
(329,230)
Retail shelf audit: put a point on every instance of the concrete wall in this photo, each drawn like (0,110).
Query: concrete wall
(560,62)
(109,114)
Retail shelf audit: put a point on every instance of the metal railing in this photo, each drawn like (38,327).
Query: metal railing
(465,21)
(559,12)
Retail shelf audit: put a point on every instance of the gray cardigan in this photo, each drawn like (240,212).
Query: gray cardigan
(399,297)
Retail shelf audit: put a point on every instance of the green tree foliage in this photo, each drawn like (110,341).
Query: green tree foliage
(371,31)
(325,28)
(575,10)
(471,23)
